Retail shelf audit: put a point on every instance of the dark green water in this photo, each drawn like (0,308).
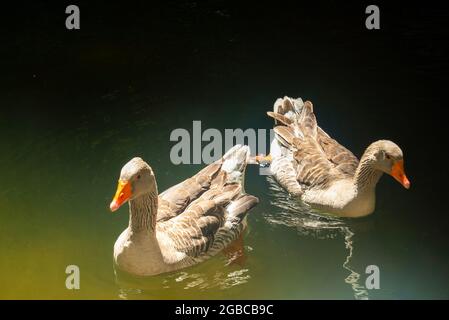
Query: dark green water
(76,107)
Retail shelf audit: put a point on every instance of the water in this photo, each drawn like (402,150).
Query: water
(75,108)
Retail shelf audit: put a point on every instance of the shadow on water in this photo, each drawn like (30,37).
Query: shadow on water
(296,214)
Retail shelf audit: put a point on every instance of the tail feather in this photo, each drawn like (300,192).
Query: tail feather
(228,193)
(307,121)
(284,135)
(280,118)
(284,107)
(295,118)
(241,206)
(288,107)
(235,159)
(234,162)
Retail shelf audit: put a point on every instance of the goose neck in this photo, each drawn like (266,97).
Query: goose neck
(366,176)
(142,212)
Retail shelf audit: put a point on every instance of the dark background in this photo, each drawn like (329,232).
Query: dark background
(389,83)
(365,85)
(210,48)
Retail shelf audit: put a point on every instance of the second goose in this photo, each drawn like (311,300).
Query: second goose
(309,164)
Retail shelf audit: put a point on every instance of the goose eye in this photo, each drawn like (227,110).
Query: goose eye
(138,177)
(387,156)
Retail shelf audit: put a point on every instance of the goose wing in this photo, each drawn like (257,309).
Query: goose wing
(213,220)
(208,225)
(343,159)
(175,200)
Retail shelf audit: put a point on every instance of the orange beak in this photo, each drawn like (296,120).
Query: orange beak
(122,195)
(397,172)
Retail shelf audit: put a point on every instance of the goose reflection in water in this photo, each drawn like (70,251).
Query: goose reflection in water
(225,271)
(294,213)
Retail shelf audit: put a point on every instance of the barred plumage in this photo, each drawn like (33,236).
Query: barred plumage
(309,164)
(187,223)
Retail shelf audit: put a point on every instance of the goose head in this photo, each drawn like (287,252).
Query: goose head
(136,179)
(387,157)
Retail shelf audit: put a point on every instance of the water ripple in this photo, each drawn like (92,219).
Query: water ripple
(293,213)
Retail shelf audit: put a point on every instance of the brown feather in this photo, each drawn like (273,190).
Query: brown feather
(285,135)
(279,118)
(319,158)
(198,228)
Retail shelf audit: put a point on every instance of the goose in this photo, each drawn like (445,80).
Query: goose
(322,173)
(186,224)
